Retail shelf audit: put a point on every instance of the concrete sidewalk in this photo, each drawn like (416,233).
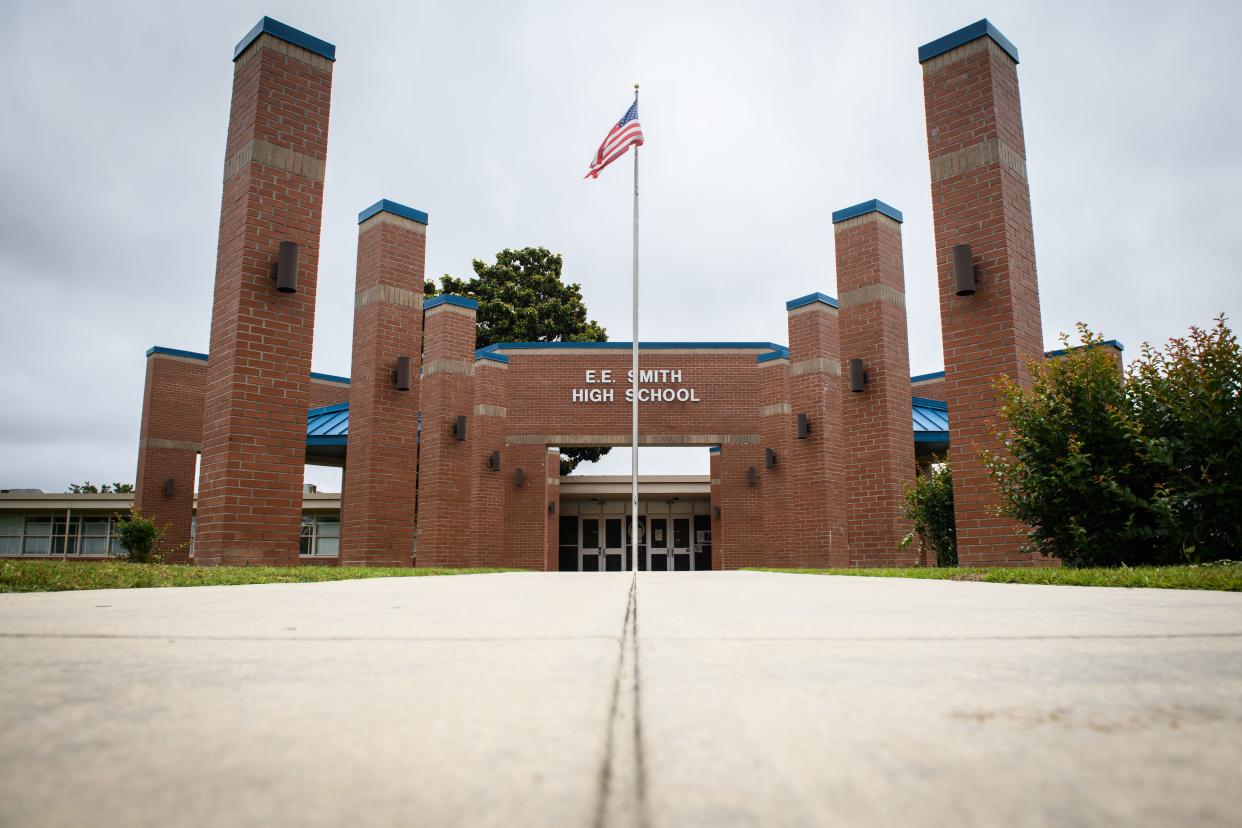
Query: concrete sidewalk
(712,699)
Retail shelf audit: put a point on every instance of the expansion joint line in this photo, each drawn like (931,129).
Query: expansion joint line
(622,779)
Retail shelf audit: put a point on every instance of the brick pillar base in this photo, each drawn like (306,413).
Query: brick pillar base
(526,507)
(490,418)
(741,509)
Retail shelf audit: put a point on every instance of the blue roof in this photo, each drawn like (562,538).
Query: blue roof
(288,34)
(964,35)
(329,426)
(872,206)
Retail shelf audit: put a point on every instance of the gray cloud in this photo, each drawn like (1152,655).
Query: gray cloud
(761,119)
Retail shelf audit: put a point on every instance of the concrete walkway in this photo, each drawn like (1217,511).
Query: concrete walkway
(712,699)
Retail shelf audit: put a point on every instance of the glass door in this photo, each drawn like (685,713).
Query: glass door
(614,546)
(681,552)
(657,545)
(589,548)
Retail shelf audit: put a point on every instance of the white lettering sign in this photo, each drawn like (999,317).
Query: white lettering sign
(661,378)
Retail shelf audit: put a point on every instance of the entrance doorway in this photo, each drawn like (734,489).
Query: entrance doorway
(674,535)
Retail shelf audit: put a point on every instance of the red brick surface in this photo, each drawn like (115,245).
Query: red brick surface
(876,422)
(971,97)
(377,510)
(815,513)
(258,374)
(172,427)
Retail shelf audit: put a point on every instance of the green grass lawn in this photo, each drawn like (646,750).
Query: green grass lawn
(54,576)
(1221,576)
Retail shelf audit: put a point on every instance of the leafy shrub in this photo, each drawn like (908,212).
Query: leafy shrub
(138,536)
(1146,471)
(929,506)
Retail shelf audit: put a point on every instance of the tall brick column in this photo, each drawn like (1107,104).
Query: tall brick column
(490,420)
(879,464)
(447,476)
(713,464)
(552,558)
(172,431)
(817,517)
(377,509)
(258,373)
(980,197)
(775,424)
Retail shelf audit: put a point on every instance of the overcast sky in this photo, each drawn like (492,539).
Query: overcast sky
(761,119)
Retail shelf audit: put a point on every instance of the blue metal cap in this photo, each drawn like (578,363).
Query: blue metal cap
(809,298)
(872,206)
(450,299)
(288,34)
(965,35)
(160,349)
(386,206)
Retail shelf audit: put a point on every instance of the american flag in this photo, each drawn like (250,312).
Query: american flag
(627,133)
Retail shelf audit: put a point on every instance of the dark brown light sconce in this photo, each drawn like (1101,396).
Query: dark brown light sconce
(963,270)
(752,476)
(858,377)
(494,463)
(459,429)
(403,373)
(519,478)
(769,458)
(169,487)
(551,507)
(717,512)
(287,267)
(804,426)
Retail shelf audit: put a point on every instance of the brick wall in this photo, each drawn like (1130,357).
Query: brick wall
(324,392)
(490,487)
(258,374)
(168,445)
(875,422)
(980,197)
(377,512)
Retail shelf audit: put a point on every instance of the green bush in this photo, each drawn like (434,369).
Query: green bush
(929,507)
(138,536)
(1140,472)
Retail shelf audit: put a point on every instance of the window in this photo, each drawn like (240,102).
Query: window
(58,535)
(321,536)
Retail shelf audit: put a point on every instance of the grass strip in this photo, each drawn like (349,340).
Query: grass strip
(57,576)
(1225,576)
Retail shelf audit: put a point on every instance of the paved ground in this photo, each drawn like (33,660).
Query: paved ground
(713,699)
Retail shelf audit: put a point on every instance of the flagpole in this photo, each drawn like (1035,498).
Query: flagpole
(634,383)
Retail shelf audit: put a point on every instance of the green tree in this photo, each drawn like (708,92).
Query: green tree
(523,298)
(929,507)
(1145,471)
(87,487)
(138,536)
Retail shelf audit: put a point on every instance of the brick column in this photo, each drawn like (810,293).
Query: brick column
(490,420)
(446,474)
(741,509)
(817,517)
(980,197)
(875,422)
(258,374)
(377,508)
(775,423)
(713,463)
(526,506)
(172,433)
(552,558)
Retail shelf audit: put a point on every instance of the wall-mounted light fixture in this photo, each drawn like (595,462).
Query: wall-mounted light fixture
(858,377)
(804,426)
(718,513)
(752,476)
(287,267)
(551,507)
(519,478)
(769,458)
(494,462)
(459,429)
(169,487)
(403,374)
(963,270)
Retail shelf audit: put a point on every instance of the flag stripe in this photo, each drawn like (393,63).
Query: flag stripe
(624,134)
